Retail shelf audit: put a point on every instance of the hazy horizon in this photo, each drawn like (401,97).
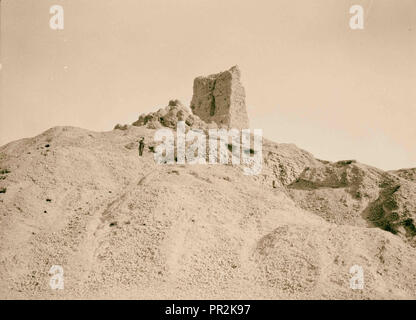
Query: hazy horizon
(309,79)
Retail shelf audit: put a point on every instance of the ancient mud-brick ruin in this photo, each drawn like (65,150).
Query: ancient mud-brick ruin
(218,102)
(221,98)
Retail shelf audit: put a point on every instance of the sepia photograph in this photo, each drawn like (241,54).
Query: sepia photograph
(235,151)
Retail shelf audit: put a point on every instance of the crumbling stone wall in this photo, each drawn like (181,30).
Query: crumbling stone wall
(220,98)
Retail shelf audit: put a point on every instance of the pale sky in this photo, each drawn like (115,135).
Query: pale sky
(309,79)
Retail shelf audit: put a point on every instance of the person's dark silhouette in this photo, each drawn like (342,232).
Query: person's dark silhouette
(141,146)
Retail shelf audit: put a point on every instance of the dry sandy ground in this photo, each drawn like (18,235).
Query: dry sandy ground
(122,226)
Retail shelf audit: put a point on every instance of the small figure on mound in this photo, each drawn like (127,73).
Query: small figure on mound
(141,146)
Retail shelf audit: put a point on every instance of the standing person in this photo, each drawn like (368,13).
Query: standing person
(141,146)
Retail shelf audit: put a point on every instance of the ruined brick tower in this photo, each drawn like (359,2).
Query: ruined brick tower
(221,98)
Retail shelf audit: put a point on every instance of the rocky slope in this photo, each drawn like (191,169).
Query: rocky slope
(122,226)
(345,192)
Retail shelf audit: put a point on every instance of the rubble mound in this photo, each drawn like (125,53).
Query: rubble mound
(170,115)
(123,226)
